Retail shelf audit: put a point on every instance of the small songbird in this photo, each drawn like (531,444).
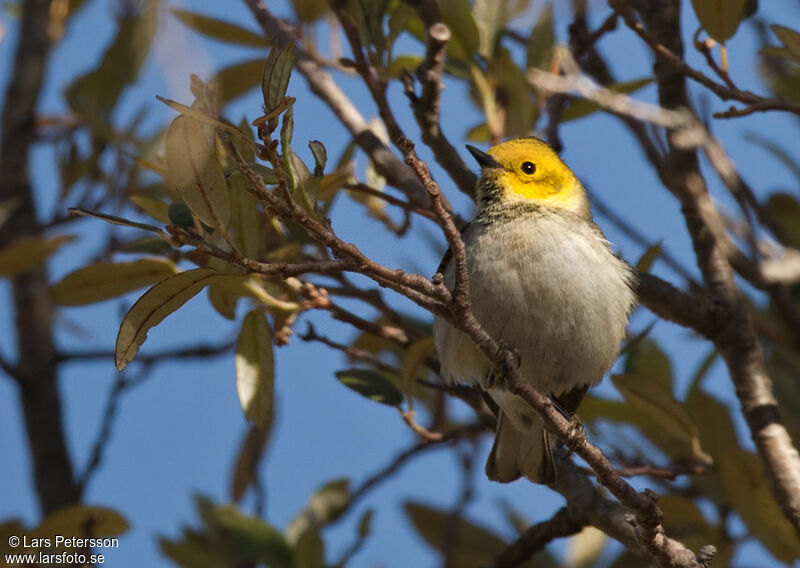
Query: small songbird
(544,281)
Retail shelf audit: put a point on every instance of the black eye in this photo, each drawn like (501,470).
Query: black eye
(528,168)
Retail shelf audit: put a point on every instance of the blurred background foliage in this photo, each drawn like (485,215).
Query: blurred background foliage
(129,173)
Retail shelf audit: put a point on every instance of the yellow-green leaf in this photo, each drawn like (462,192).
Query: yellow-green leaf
(720,18)
(655,400)
(238,79)
(582,107)
(195,172)
(686,522)
(205,118)
(246,219)
(458,17)
(371,384)
(24,254)
(255,369)
(645,262)
(541,41)
(114,220)
(476,547)
(784,210)
(73,520)
(7,207)
(245,471)
(104,280)
(157,209)
(219,29)
(326,505)
(309,550)
(584,548)
(403,64)
(648,360)
(742,476)
(791,43)
(276,74)
(310,10)
(414,359)
(156,304)
(222,301)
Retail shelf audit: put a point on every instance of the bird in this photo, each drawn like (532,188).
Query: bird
(543,281)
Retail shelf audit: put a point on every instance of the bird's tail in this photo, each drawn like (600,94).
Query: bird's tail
(517,453)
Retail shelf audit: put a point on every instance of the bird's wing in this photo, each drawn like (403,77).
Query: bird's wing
(448,254)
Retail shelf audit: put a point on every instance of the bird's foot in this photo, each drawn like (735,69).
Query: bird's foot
(576,435)
(497,375)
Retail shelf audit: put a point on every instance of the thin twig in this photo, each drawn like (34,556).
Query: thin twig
(536,537)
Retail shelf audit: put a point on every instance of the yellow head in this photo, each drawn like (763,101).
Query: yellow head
(527,169)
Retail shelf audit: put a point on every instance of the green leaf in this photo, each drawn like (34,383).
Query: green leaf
(195,551)
(157,209)
(326,505)
(252,450)
(95,94)
(541,41)
(253,539)
(180,215)
(720,18)
(219,29)
(372,385)
(310,10)
(103,280)
(309,551)
(476,547)
(490,18)
(791,41)
(238,79)
(582,107)
(791,44)
(246,219)
(320,156)
(648,360)
(222,301)
(7,208)
(365,524)
(645,262)
(196,174)
(203,117)
(655,400)
(275,76)
(114,220)
(27,253)
(74,519)
(686,522)
(458,17)
(401,64)
(784,210)
(255,369)
(516,99)
(584,548)
(742,475)
(301,184)
(414,360)
(156,304)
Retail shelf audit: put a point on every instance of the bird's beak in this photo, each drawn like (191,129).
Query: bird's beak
(484,159)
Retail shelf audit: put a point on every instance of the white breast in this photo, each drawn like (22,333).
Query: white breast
(547,284)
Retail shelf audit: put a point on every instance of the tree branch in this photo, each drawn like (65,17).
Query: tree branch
(536,537)
(52,469)
(733,334)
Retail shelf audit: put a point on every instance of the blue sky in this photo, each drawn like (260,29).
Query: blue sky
(178,433)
